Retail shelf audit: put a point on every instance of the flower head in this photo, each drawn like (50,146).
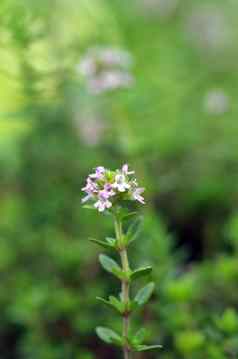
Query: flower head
(106,188)
(106,69)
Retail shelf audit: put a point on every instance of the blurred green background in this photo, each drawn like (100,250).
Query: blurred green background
(175,122)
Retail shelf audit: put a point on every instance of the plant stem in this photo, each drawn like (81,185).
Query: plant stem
(125,286)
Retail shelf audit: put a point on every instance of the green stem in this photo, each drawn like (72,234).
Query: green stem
(125,286)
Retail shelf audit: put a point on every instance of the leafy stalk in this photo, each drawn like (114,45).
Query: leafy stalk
(106,190)
(125,286)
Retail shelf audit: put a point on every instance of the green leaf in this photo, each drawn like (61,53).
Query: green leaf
(117,304)
(104,301)
(89,206)
(128,215)
(124,212)
(143,348)
(133,230)
(139,337)
(144,294)
(111,241)
(101,243)
(137,340)
(108,336)
(140,272)
(110,265)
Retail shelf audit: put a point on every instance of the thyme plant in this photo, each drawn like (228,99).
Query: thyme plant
(108,192)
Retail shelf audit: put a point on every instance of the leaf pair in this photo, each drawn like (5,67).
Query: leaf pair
(111,266)
(131,234)
(110,337)
(140,299)
(137,340)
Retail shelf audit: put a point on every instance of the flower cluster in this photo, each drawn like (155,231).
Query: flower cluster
(106,188)
(106,69)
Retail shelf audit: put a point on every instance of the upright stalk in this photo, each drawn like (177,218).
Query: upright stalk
(125,286)
(106,190)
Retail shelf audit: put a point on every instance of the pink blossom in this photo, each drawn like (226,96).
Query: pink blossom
(108,188)
(126,171)
(99,173)
(136,194)
(121,183)
(101,205)
(103,202)
(90,186)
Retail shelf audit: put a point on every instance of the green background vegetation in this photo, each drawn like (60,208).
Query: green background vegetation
(168,126)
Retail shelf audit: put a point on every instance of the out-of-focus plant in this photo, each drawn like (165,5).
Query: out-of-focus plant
(177,123)
(108,190)
(106,69)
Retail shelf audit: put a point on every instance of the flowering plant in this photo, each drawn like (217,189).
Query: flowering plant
(106,191)
(107,187)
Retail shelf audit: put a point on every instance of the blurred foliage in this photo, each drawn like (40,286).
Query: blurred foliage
(177,125)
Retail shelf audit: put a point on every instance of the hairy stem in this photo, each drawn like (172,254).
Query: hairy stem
(125,287)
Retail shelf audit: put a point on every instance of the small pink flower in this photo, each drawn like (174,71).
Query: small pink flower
(121,183)
(125,170)
(102,205)
(108,188)
(90,186)
(136,194)
(103,202)
(99,173)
